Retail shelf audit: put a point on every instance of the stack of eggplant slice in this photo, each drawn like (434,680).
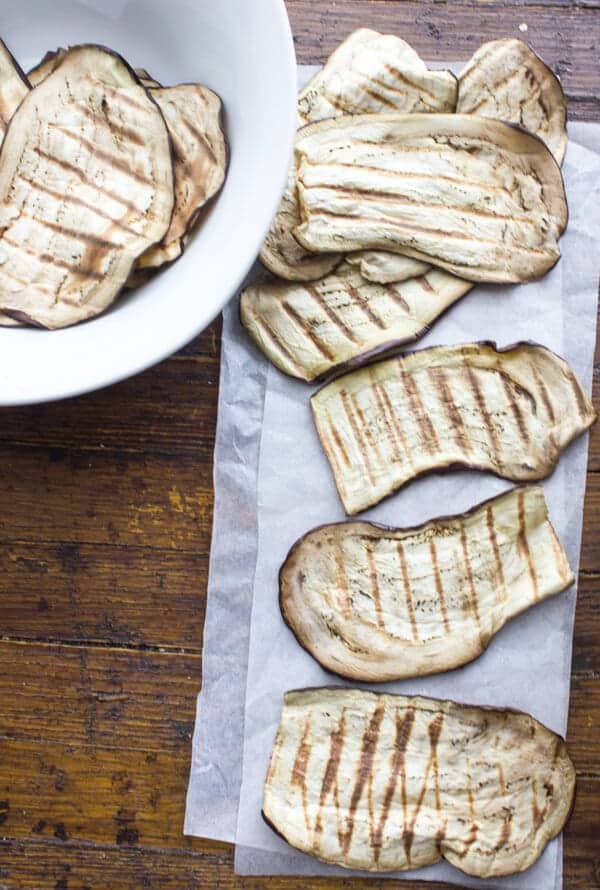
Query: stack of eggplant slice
(103,175)
(407,188)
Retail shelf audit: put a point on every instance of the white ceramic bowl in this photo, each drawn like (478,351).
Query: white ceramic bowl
(243,49)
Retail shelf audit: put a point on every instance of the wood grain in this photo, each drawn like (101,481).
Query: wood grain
(105,529)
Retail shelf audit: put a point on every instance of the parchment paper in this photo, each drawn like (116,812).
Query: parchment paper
(291,489)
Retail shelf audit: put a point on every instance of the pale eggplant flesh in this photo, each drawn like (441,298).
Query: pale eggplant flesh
(311,330)
(372,72)
(193,115)
(46,66)
(477,197)
(375,604)
(369,72)
(384,267)
(13,89)
(86,187)
(511,412)
(391,782)
(506,80)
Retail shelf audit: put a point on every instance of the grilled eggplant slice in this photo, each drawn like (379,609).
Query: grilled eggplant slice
(506,80)
(377,604)
(509,411)
(383,267)
(369,72)
(477,197)
(390,782)
(309,330)
(193,115)
(86,186)
(372,72)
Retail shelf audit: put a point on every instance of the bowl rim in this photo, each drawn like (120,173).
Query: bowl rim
(178,340)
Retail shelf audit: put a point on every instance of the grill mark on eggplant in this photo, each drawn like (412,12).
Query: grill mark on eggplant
(114,127)
(374,581)
(360,443)
(491,527)
(433,731)
(106,156)
(448,404)
(483,410)
(70,198)
(266,328)
(314,338)
(501,83)
(199,137)
(93,240)
(412,174)
(369,435)
(333,316)
(123,99)
(558,555)
(364,307)
(298,778)
(396,425)
(395,292)
(473,590)
(379,97)
(404,724)
(388,420)
(367,194)
(48,259)
(440,234)
(426,285)
(416,87)
(336,747)
(515,408)
(410,606)
(439,587)
(65,165)
(339,442)
(423,421)
(343,585)
(539,380)
(365,765)
(523,545)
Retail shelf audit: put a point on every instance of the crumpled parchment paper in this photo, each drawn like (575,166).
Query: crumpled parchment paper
(273,483)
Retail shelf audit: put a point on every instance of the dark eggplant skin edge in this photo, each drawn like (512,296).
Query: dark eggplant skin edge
(389,349)
(486,708)
(459,465)
(389,528)
(19,316)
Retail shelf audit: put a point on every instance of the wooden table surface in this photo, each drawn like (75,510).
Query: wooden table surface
(105,525)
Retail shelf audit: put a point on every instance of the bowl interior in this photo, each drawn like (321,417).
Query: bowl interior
(242,50)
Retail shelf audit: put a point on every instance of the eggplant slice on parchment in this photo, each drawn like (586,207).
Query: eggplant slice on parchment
(79,205)
(369,72)
(475,196)
(310,330)
(375,604)
(506,80)
(509,411)
(391,782)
